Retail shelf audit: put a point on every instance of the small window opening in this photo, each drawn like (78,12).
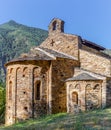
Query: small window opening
(59,107)
(25,108)
(43,76)
(60,92)
(62,75)
(37,91)
(75,97)
(24,92)
(10,90)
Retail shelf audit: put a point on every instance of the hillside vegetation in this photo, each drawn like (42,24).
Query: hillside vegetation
(93,120)
(15,39)
(2,103)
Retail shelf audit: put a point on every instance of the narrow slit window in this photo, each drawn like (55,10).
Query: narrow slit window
(10,90)
(37,90)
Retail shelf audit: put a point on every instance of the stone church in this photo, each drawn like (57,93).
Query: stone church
(63,74)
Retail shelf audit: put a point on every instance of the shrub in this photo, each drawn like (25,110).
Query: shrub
(2,104)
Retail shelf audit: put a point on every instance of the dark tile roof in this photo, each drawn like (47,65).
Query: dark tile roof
(92,45)
(83,76)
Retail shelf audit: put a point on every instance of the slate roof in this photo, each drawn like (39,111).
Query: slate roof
(40,53)
(58,54)
(83,76)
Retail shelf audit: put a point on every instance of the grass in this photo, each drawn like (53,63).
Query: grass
(93,120)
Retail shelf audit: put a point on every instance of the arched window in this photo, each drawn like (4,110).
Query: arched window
(10,90)
(37,90)
(75,97)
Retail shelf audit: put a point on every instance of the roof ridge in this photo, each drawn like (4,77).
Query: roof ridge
(66,54)
(48,54)
(83,76)
(62,53)
(93,73)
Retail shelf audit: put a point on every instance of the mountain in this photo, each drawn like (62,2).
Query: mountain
(15,39)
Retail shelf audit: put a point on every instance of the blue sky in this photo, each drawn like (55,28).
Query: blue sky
(90,19)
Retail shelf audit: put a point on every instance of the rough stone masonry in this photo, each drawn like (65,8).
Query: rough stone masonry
(64,74)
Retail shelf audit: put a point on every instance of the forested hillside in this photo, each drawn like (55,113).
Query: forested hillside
(15,39)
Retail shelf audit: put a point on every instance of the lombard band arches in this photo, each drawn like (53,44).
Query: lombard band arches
(77,86)
(36,72)
(18,69)
(96,87)
(25,71)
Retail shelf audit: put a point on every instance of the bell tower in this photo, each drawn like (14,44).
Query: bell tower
(56,26)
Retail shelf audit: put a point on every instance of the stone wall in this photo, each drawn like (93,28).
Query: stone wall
(23,92)
(78,71)
(35,88)
(18,106)
(21,103)
(62,69)
(10,96)
(88,95)
(65,43)
(95,63)
(41,74)
(108,92)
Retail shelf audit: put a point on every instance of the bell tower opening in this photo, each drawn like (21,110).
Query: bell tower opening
(56,25)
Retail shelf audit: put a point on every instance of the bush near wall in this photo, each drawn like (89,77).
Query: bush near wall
(2,104)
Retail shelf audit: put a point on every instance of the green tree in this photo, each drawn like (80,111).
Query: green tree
(2,104)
